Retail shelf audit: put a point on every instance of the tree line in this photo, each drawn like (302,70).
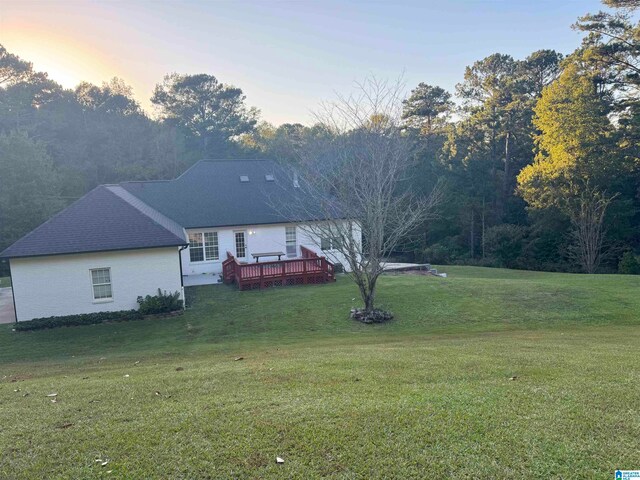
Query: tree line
(536,158)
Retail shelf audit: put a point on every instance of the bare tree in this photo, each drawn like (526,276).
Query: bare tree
(355,183)
(587,212)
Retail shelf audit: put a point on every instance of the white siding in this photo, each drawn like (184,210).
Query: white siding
(259,239)
(312,242)
(61,284)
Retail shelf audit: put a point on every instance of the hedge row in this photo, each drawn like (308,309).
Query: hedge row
(82,319)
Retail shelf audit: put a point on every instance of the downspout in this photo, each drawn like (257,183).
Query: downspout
(184,299)
(13,293)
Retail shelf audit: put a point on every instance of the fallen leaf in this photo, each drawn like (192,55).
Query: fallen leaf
(279,460)
(25,394)
(104,463)
(52,395)
(514,377)
(126,376)
(136,363)
(158,393)
(238,358)
(66,425)
(54,401)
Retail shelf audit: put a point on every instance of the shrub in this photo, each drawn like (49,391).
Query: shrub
(504,243)
(81,319)
(445,252)
(629,264)
(163,302)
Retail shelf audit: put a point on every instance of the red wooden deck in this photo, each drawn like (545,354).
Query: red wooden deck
(311,268)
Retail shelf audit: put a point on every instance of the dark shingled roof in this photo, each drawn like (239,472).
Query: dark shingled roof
(211,194)
(99,221)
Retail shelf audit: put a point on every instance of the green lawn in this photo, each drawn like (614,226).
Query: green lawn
(427,395)
(5,282)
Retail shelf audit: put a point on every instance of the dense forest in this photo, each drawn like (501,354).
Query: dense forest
(538,158)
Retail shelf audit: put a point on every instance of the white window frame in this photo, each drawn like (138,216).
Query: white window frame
(288,231)
(215,245)
(244,240)
(93,285)
(331,243)
(203,246)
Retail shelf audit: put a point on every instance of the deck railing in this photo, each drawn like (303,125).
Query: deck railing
(311,268)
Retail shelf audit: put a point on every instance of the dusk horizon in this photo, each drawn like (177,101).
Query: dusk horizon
(328,47)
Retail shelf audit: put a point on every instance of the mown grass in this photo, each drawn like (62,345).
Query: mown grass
(428,395)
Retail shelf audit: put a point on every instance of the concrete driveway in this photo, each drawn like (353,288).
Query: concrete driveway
(7,314)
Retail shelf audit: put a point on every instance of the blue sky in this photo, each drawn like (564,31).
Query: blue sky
(287,56)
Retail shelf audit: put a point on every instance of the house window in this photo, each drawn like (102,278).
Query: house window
(203,246)
(241,245)
(330,243)
(196,252)
(211,246)
(101,282)
(292,244)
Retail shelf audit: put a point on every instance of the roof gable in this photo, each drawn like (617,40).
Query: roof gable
(99,221)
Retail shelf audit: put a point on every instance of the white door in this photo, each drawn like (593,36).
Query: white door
(241,243)
(291,242)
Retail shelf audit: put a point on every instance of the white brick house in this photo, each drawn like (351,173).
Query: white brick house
(121,241)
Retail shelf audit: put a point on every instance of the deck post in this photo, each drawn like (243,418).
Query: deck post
(304,272)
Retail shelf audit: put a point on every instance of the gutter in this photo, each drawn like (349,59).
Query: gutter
(184,298)
(13,293)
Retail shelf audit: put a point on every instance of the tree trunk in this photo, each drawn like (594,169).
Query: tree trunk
(472,236)
(506,181)
(494,174)
(587,217)
(369,302)
(483,226)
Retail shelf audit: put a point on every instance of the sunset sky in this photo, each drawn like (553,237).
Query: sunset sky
(286,56)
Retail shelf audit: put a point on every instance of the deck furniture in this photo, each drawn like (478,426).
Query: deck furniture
(267,254)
